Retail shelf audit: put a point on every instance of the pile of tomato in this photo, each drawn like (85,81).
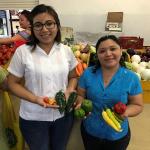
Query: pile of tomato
(6,52)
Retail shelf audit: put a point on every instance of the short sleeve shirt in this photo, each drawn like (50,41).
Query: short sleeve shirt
(24,34)
(123,84)
(45,74)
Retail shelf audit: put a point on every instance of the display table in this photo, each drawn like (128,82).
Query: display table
(146,91)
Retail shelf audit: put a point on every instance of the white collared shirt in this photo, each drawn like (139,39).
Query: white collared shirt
(45,74)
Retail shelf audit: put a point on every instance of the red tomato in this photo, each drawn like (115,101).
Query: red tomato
(120,108)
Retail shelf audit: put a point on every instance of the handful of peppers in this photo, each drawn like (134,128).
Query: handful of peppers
(112,117)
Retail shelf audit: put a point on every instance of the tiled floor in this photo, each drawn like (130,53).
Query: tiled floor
(140,130)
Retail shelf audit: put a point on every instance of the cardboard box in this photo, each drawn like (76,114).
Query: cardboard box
(114,21)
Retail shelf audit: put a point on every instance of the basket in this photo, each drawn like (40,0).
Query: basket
(11,123)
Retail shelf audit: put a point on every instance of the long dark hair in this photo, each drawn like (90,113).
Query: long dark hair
(102,39)
(43,9)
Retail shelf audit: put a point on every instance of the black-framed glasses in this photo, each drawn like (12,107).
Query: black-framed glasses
(48,24)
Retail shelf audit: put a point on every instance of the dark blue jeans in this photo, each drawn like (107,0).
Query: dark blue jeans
(94,143)
(46,135)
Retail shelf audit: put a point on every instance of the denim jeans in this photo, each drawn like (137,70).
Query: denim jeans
(94,143)
(47,135)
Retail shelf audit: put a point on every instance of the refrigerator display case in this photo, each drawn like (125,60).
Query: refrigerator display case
(5,23)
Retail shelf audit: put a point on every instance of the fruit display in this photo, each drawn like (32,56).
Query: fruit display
(6,51)
(82,52)
(112,118)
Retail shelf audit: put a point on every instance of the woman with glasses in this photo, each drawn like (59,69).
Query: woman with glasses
(47,67)
(105,84)
(22,36)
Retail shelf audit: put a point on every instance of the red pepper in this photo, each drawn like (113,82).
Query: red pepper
(120,108)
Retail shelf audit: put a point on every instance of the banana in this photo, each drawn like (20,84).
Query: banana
(109,121)
(111,116)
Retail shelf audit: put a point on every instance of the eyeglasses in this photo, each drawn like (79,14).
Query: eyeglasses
(38,26)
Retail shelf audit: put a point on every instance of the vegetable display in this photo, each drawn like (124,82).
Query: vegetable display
(82,52)
(6,52)
(139,63)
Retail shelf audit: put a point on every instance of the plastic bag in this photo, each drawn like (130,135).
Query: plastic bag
(11,124)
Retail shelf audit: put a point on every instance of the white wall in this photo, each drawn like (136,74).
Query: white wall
(90,15)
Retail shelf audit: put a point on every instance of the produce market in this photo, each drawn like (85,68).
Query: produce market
(96,110)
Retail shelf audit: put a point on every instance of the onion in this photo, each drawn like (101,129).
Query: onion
(136,58)
(143,64)
(135,66)
(140,69)
(145,74)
